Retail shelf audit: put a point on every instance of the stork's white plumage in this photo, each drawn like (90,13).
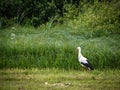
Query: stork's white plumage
(83,61)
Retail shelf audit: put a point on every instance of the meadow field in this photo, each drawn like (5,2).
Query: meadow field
(59,79)
(46,59)
(38,41)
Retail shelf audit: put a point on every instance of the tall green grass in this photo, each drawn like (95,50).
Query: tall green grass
(55,48)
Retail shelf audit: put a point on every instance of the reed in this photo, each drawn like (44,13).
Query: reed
(55,48)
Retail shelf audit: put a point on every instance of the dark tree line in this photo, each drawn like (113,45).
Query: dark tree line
(36,12)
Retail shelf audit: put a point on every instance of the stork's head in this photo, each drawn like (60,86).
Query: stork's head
(78,49)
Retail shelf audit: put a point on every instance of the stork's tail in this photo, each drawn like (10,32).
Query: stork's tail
(90,66)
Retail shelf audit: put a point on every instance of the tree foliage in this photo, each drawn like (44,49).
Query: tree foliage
(38,12)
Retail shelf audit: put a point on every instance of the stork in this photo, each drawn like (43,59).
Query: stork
(83,61)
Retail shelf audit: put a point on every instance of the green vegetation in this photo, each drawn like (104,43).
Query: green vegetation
(45,34)
(55,79)
(94,15)
(38,39)
(26,47)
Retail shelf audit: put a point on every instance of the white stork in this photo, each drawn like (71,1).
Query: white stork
(83,61)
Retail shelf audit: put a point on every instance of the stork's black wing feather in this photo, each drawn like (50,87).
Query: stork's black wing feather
(88,65)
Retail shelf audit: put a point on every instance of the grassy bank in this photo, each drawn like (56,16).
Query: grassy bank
(55,79)
(27,47)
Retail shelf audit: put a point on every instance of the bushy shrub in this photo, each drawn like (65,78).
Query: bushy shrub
(97,19)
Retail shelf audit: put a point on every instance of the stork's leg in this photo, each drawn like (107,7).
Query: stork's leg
(89,69)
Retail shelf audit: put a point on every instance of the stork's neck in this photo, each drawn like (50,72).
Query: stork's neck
(79,53)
